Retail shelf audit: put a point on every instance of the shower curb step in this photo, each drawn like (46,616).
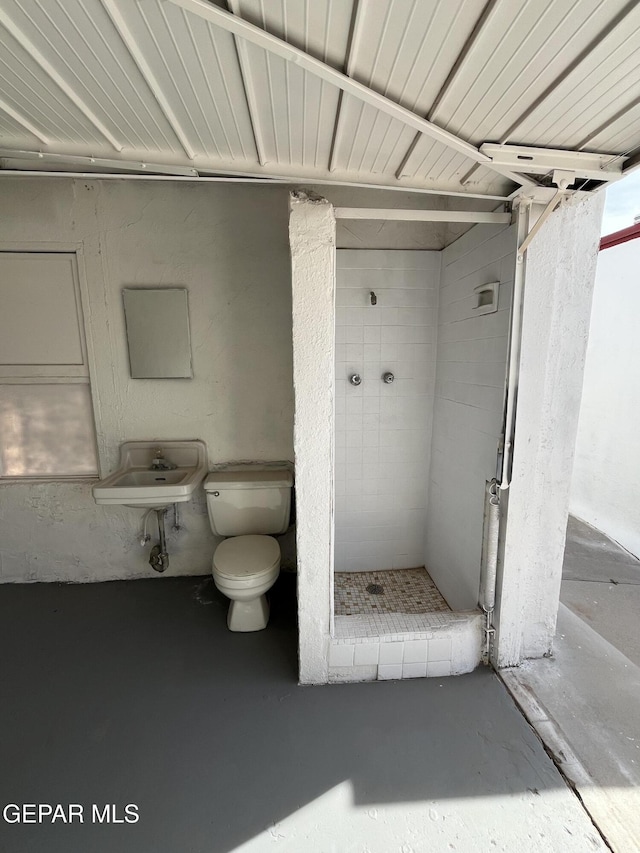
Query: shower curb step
(365,649)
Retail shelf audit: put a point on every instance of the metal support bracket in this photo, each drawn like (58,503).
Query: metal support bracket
(562,179)
(546,213)
(580,165)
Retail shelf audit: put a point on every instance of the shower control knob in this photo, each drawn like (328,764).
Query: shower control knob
(355,379)
(388,378)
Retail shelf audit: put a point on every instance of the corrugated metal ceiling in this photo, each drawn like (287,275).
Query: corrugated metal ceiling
(156,81)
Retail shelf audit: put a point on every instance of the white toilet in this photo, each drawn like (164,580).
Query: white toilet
(247,503)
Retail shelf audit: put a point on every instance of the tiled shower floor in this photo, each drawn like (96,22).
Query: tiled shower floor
(403,591)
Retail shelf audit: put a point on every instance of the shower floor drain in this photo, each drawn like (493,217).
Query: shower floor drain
(375,589)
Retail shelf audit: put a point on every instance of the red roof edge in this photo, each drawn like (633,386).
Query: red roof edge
(618,237)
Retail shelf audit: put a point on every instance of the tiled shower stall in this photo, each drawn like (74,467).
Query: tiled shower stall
(386,321)
(412,456)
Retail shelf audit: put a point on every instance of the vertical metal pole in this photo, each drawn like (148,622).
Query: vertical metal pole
(505,455)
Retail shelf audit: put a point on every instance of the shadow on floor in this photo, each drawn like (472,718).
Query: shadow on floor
(135,692)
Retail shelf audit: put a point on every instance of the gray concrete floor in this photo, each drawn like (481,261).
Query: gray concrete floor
(135,692)
(601,585)
(585,700)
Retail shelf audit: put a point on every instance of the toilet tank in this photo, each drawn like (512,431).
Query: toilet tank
(249,499)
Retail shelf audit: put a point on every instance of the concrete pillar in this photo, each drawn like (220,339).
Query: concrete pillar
(559,280)
(312,230)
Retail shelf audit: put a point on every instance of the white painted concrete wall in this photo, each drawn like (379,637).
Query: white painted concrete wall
(312,229)
(605,489)
(559,279)
(471,363)
(383,432)
(228,246)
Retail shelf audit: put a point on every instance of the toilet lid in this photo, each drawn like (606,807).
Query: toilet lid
(242,556)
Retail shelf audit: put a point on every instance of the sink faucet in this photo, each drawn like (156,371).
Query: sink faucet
(159,463)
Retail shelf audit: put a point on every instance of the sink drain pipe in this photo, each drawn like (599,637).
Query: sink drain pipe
(159,559)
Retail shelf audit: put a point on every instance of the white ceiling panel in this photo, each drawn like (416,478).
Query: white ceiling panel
(15,133)
(293,111)
(319,27)
(35,95)
(616,134)
(403,49)
(368,140)
(522,50)
(605,82)
(196,69)
(74,37)
(431,161)
(197,86)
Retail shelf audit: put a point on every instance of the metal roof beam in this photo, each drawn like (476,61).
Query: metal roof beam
(356,23)
(397,214)
(249,91)
(103,162)
(145,69)
(62,84)
(24,122)
(273,44)
(167,171)
(541,161)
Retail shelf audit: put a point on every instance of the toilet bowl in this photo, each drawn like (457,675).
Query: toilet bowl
(244,568)
(248,504)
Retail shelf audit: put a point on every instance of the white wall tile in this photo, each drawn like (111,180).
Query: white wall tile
(371,316)
(353,334)
(371,352)
(414,670)
(353,405)
(340,655)
(389,672)
(353,487)
(391,653)
(439,650)
(389,334)
(438,669)
(372,334)
(371,341)
(366,654)
(370,438)
(354,353)
(471,355)
(352,455)
(372,371)
(415,651)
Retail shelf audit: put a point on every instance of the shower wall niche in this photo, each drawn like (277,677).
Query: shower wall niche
(386,322)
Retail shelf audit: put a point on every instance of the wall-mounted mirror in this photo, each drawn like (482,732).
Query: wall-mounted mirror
(158,332)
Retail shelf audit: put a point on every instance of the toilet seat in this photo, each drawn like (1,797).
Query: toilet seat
(243,558)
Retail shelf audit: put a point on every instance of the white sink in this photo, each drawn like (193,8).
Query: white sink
(136,483)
